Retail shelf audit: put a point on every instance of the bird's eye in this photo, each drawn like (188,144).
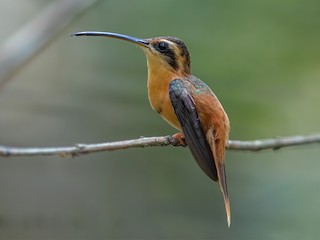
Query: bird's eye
(162,46)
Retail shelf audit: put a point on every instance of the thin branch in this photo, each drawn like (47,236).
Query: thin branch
(36,34)
(273,143)
(79,149)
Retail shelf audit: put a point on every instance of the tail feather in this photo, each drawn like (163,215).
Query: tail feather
(218,152)
(224,189)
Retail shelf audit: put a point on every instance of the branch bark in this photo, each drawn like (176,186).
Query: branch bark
(79,149)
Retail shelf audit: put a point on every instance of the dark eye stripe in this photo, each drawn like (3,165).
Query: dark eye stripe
(171,58)
(164,48)
(174,51)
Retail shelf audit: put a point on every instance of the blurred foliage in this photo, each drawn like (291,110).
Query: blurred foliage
(260,57)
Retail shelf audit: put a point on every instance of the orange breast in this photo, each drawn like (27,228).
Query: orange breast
(158,94)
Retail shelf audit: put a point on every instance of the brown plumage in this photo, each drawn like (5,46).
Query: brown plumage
(185,102)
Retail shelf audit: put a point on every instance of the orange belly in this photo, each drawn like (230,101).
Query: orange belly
(160,102)
(169,115)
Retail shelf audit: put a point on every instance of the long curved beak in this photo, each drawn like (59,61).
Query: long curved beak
(139,41)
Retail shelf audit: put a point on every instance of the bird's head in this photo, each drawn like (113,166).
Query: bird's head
(168,53)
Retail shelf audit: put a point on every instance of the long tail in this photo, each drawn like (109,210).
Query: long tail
(224,189)
(218,149)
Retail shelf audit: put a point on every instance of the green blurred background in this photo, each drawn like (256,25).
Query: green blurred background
(262,59)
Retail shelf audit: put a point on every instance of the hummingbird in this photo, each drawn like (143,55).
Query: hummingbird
(185,102)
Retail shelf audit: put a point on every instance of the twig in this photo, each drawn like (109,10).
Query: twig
(273,143)
(79,149)
(36,34)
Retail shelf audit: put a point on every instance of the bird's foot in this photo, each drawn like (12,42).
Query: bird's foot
(178,140)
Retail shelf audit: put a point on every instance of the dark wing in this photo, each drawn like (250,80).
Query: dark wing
(184,107)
